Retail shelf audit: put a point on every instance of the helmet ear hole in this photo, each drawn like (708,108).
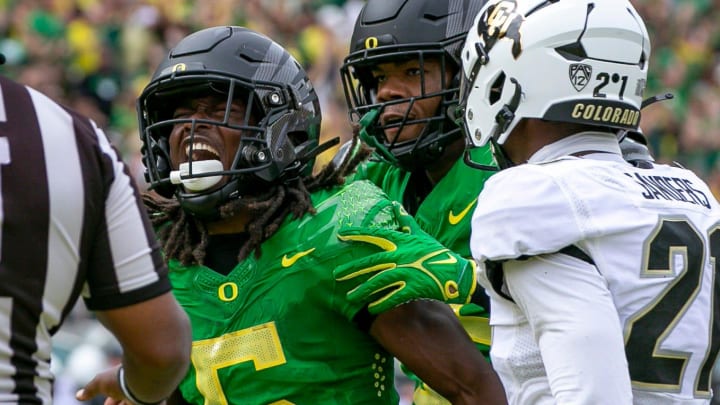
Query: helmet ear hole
(497,88)
(298,137)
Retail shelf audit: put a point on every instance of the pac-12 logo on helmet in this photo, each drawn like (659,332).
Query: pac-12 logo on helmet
(580,74)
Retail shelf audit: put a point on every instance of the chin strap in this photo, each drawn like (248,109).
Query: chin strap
(645,103)
(305,153)
(366,122)
(503,119)
(501,157)
(475,165)
(506,115)
(654,99)
(204,206)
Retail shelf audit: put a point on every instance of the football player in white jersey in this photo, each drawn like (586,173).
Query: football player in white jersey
(601,273)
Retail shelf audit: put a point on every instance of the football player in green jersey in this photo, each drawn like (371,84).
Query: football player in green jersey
(230,130)
(401,82)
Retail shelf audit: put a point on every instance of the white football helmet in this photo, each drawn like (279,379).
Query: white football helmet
(578,61)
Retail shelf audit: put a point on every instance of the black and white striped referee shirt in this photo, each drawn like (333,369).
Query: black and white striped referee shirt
(71,224)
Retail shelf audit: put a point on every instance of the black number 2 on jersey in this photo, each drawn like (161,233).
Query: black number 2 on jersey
(650,366)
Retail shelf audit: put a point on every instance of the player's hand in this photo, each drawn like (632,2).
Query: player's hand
(409,265)
(104,384)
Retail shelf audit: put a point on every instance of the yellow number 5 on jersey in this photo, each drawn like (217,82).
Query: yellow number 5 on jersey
(259,344)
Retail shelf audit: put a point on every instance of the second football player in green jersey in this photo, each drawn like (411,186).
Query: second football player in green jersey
(401,81)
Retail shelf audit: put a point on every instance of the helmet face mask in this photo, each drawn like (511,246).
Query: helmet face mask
(574,61)
(267,102)
(408,31)
(416,117)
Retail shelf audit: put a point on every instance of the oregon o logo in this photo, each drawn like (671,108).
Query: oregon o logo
(371,42)
(180,67)
(228,291)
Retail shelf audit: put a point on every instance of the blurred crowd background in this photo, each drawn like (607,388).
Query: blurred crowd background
(97,55)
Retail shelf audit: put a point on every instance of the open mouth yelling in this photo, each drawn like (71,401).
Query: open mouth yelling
(201,151)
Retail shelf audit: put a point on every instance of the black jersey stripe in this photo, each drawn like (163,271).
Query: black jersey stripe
(121,287)
(94,198)
(577,253)
(25,206)
(495,272)
(97,188)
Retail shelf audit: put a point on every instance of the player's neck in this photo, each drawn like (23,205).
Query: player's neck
(450,155)
(234,224)
(531,135)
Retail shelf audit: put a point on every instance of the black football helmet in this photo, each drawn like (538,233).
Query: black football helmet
(401,30)
(281,126)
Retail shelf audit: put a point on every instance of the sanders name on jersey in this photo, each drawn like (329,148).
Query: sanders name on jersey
(670,188)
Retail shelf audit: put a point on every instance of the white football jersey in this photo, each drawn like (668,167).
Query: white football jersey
(589,258)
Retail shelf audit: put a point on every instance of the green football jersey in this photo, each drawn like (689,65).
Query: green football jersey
(445,212)
(445,215)
(278,329)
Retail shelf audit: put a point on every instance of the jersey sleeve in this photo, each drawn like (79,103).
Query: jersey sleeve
(125,265)
(522,211)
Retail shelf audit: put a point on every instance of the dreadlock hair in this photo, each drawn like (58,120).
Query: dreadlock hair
(185,238)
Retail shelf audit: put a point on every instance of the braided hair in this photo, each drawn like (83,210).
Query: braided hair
(185,238)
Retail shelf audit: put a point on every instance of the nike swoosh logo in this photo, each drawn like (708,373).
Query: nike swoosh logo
(289,261)
(455,219)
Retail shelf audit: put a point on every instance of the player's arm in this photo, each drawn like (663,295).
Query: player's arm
(427,338)
(129,291)
(575,323)
(155,337)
